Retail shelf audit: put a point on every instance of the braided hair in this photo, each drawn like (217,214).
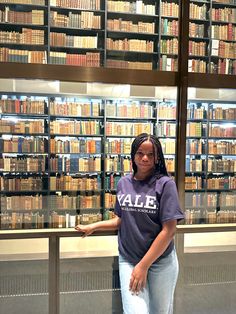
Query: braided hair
(160,166)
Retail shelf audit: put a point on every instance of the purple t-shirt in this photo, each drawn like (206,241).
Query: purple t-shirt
(143,206)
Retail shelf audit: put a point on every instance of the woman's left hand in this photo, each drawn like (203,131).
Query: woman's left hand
(138,278)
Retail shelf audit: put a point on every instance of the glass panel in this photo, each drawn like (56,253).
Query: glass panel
(210,180)
(89,278)
(24,276)
(63,154)
(207,278)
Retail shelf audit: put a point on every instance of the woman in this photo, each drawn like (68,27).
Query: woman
(147,210)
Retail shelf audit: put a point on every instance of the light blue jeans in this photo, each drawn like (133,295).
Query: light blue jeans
(158,295)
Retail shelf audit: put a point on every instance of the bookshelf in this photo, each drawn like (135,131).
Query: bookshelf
(62,156)
(140,34)
(210,162)
(212,40)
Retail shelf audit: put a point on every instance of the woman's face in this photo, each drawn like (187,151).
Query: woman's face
(145,158)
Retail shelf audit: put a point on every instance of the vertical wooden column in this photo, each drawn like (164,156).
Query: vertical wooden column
(182,97)
(53,275)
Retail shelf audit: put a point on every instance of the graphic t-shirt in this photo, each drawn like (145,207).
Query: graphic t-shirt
(143,206)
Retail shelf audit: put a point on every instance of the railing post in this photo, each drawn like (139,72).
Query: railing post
(54,273)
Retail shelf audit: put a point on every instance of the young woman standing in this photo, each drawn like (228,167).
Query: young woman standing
(147,210)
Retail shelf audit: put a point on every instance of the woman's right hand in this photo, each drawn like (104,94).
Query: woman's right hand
(85,229)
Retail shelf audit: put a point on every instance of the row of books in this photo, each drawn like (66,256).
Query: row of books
(87,108)
(23,145)
(223,49)
(169,27)
(209,199)
(84,20)
(22,202)
(197,66)
(206,199)
(222,183)
(224,66)
(88,59)
(138,7)
(27,37)
(118,163)
(64,40)
(75,127)
(196,30)
(169,46)
(128,26)
(23,164)
(169,9)
(166,110)
(68,203)
(219,183)
(225,165)
(194,165)
(22,56)
(112,181)
(129,109)
(118,146)
(22,126)
(223,14)
(193,182)
(198,12)
(130,45)
(32,2)
(210,217)
(21,184)
(75,164)
(128,128)
(121,64)
(75,184)
(112,146)
(35,17)
(195,146)
(221,216)
(110,200)
(168,146)
(40,221)
(22,221)
(223,32)
(220,113)
(222,131)
(69,108)
(168,64)
(49,202)
(213,165)
(196,111)
(222,147)
(77,4)
(28,106)
(166,128)
(197,129)
(88,146)
(197,48)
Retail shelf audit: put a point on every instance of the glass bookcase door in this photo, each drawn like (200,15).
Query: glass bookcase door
(211,157)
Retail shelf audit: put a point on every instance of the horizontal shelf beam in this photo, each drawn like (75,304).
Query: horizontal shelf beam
(71,232)
(87,74)
(211,80)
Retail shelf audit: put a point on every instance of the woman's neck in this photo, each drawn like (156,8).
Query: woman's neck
(142,176)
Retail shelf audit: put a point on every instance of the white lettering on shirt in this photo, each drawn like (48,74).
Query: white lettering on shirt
(150,202)
(126,201)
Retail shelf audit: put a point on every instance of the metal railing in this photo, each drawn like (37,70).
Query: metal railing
(54,236)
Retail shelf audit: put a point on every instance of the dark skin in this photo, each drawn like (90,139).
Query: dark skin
(145,160)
